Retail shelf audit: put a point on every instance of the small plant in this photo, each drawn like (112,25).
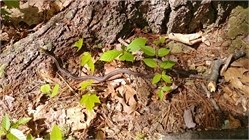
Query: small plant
(9,5)
(86,58)
(10,128)
(79,44)
(46,89)
(89,99)
(151,59)
(126,53)
(56,133)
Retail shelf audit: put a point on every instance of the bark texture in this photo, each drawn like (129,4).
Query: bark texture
(101,21)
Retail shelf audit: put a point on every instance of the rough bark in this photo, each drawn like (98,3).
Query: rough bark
(101,21)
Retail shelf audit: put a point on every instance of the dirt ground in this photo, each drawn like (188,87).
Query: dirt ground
(130,107)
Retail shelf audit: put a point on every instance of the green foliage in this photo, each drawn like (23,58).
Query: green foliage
(150,59)
(46,89)
(86,59)
(10,128)
(85,84)
(148,50)
(9,5)
(165,77)
(108,56)
(15,134)
(161,91)
(30,137)
(126,56)
(79,44)
(159,41)
(6,122)
(156,78)
(89,100)
(56,133)
(136,44)
(167,64)
(150,62)
(162,52)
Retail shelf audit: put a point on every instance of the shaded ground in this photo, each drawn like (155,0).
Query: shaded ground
(129,105)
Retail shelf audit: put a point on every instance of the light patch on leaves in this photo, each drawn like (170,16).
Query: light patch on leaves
(108,56)
(89,100)
(136,44)
(150,62)
(79,44)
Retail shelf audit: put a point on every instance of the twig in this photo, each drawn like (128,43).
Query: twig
(66,83)
(230,59)
(120,40)
(206,90)
(216,107)
(214,75)
(215,71)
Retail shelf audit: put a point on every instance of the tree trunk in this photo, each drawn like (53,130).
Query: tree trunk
(99,21)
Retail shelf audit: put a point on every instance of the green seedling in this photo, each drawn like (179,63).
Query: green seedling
(89,99)
(78,44)
(126,53)
(56,133)
(150,59)
(46,89)
(87,60)
(10,128)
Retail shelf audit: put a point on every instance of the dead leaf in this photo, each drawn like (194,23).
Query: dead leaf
(188,118)
(238,79)
(76,118)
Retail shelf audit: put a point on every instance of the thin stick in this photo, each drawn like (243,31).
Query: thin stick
(214,75)
(120,40)
(66,83)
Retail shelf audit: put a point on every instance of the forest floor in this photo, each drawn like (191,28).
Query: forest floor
(130,107)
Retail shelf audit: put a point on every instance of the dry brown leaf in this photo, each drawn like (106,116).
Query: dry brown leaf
(76,118)
(188,118)
(235,77)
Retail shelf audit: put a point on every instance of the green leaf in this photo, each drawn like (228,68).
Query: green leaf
(167,64)
(11,3)
(79,44)
(88,100)
(2,132)
(162,39)
(160,94)
(21,121)
(156,78)
(165,78)
(148,50)
(16,134)
(85,58)
(166,88)
(56,133)
(6,122)
(150,62)
(108,56)
(30,137)
(136,44)
(90,64)
(85,84)
(55,90)
(45,89)
(127,57)
(163,51)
